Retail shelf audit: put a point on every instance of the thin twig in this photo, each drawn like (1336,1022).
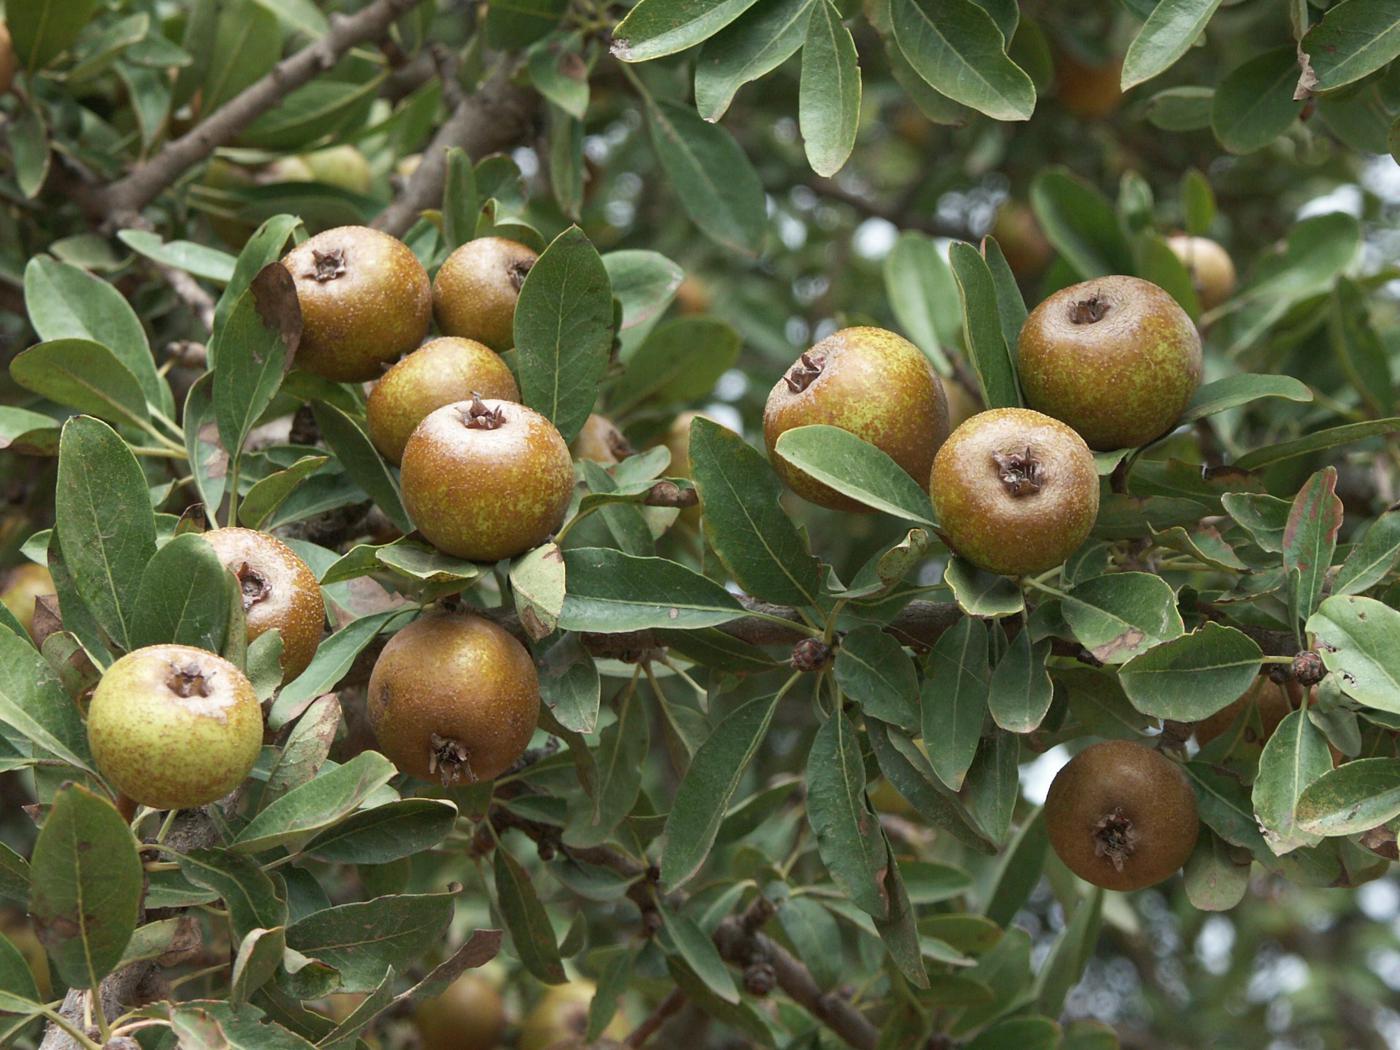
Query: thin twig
(658,1017)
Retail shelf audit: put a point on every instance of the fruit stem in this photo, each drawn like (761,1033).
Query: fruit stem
(165,826)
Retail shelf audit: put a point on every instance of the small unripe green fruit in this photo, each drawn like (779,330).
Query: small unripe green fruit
(280,592)
(365,299)
(173,727)
(453,698)
(341,166)
(1015,492)
(24,585)
(477,287)
(486,480)
(601,442)
(562,1015)
(1210,266)
(288,169)
(440,372)
(469,1015)
(871,383)
(1116,358)
(7,59)
(1121,816)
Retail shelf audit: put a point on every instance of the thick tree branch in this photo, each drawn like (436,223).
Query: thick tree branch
(495,116)
(129,195)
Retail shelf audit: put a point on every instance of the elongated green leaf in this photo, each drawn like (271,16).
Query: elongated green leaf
(1021,689)
(1120,615)
(253,351)
(924,296)
(1310,537)
(347,438)
(1359,347)
(959,50)
(756,43)
(655,28)
(855,468)
(744,522)
(700,954)
(1318,441)
(528,922)
(265,246)
(621,760)
(848,833)
(1373,556)
(1081,223)
(86,886)
(987,348)
(247,890)
(954,699)
(1214,879)
(1356,637)
(1170,29)
(363,941)
(386,833)
(1233,391)
(333,658)
(712,178)
(259,956)
(709,783)
(981,593)
(563,331)
(1254,103)
(198,259)
(317,804)
(34,703)
(1193,676)
(42,28)
(828,105)
(1352,798)
(83,375)
(1293,757)
(103,521)
(873,670)
(679,361)
(1354,39)
(183,597)
(609,591)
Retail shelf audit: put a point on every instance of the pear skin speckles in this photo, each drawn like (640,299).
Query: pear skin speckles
(1116,358)
(173,727)
(870,382)
(453,699)
(486,493)
(1014,491)
(365,300)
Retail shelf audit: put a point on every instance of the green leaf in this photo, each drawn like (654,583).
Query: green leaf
(83,375)
(924,296)
(86,888)
(1293,757)
(1081,223)
(1011,307)
(1359,347)
(1263,517)
(264,247)
(983,333)
(247,890)
(708,786)
(235,61)
(252,352)
(1065,964)
(1021,689)
(1215,880)
(1310,537)
(197,259)
(898,929)
(385,833)
(363,941)
(14,876)
(744,521)
(611,592)
(41,29)
(1355,797)
(644,283)
(1120,615)
(848,834)
(35,705)
(654,28)
(527,921)
(1197,202)
(752,46)
(346,437)
(857,469)
(183,597)
(711,177)
(16,979)
(1193,676)
(1372,557)
(700,955)
(1353,40)
(1254,104)
(316,805)
(259,956)
(563,331)
(873,670)
(1169,31)
(679,361)
(267,494)
(981,593)
(828,105)
(959,50)
(1318,441)
(537,583)
(1021,1033)
(954,699)
(332,660)
(103,521)
(1356,637)
(65,302)
(516,24)
(905,767)
(560,73)
(1181,109)
(304,749)
(621,760)
(30,433)
(31,151)
(1233,391)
